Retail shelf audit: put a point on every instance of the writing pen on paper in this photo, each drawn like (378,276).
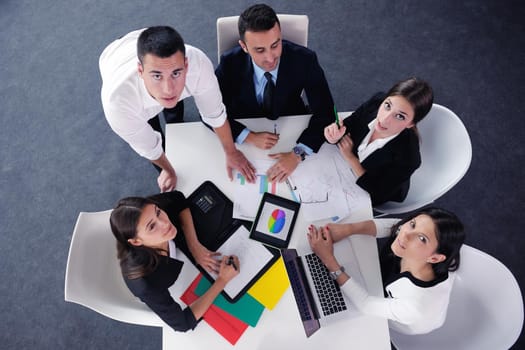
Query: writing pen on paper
(231,262)
(292,189)
(336,117)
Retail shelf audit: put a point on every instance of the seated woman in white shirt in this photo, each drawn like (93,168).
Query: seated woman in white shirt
(380,142)
(416,266)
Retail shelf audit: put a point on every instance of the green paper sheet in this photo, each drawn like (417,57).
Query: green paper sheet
(246,309)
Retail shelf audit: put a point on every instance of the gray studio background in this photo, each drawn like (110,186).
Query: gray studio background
(58,155)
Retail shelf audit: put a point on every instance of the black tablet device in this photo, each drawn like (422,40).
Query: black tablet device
(212,212)
(275,220)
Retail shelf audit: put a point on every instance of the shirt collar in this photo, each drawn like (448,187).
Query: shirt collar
(259,72)
(380,142)
(172,249)
(365,148)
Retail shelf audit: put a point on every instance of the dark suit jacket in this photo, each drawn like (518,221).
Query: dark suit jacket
(152,289)
(388,170)
(298,70)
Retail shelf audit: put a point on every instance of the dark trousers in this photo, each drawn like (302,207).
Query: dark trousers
(171,115)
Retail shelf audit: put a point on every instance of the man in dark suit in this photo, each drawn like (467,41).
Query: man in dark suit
(264,77)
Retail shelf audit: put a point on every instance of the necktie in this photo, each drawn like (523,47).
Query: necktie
(268,96)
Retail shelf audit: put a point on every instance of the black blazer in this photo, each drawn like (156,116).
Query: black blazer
(152,289)
(298,70)
(388,170)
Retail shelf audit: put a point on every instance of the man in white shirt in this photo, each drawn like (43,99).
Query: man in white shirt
(148,70)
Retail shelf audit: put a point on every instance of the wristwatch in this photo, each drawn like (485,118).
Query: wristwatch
(300,152)
(337,273)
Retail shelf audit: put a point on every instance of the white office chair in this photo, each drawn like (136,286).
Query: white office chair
(485,310)
(293,28)
(93,277)
(446,153)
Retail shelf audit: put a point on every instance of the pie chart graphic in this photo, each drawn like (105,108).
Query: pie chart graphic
(276,221)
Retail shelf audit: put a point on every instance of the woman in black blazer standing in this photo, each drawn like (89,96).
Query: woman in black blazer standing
(380,141)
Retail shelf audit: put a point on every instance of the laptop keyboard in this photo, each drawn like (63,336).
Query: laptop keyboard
(300,296)
(327,289)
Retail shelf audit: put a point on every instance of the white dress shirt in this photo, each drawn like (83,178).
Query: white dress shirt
(128,106)
(172,249)
(365,149)
(413,307)
(259,81)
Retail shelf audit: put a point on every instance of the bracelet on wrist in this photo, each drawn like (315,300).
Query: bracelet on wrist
(335,274)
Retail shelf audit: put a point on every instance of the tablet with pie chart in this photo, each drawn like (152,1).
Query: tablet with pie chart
(275,220)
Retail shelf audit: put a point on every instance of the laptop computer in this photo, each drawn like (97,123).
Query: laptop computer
(319,298)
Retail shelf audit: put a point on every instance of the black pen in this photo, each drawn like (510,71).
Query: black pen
(231,262)
(275,129)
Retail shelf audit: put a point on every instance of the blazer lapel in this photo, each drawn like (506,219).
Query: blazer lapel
(247,80)
(284,76)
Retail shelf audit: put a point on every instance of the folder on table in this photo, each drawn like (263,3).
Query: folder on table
(246,308)
(269,289)
(230,327)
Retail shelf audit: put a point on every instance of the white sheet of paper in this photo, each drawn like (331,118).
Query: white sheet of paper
(247,196)
(252,258)
(327,172)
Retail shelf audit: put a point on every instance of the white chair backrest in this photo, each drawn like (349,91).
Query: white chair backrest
(293,28)
(446,153)
(485,310)
(93,277)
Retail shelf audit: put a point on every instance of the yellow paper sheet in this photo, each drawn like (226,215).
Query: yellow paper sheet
(269,289)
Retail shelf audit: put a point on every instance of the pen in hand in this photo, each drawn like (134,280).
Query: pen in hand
(231,262)
(275,129)
(336,118)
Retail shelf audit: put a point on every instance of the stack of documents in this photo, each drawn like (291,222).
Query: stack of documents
(325,185)
(232,319)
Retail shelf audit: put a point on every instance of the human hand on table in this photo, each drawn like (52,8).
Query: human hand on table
(321,243)
(229,268)
(345,146)
(167,180)
(338,231)
(237,160)
(286,164)
(262,140)
(205,258)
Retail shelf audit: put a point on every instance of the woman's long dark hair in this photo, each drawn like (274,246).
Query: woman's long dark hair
(135,261)
(450,235)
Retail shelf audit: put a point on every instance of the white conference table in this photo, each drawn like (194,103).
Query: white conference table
(197,155)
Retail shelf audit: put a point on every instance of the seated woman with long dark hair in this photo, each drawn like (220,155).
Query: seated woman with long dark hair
(147,231)
(417,266)
(380,142)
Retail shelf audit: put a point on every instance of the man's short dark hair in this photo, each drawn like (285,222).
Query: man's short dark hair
(161,41)
(257,18)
